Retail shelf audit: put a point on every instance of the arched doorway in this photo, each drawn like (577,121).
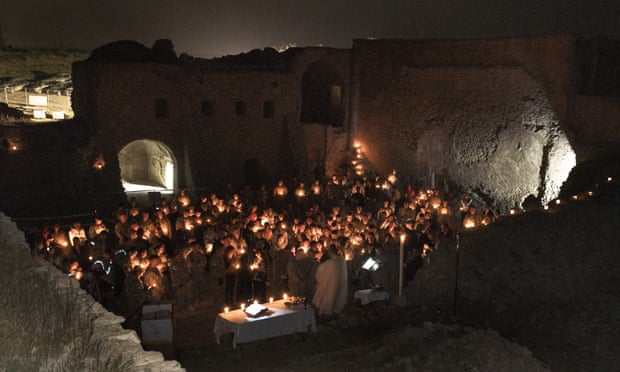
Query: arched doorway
(147,166)
(321,89)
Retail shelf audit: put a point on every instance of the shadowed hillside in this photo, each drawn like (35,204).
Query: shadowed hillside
(546,279)
(33,64)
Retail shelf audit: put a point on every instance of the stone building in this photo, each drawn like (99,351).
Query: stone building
(504,118)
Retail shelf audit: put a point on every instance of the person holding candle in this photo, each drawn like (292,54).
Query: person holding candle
(217,275)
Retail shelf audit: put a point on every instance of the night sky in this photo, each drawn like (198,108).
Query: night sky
(209,28)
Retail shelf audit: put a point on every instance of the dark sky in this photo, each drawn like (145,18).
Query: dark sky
(216,27)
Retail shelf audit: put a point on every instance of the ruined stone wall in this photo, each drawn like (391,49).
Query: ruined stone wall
(325,144)
(487,129)
(108,333)
(597,123)
(472,112)
(210,148)
(551,60)
(337,59)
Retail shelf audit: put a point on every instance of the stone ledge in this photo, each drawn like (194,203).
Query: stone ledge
(107,326)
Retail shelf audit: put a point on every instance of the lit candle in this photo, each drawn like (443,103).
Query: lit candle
(242,307)
(285,296)
(226,310)
(270,300)
(392,177)
(255,302)
(470,224)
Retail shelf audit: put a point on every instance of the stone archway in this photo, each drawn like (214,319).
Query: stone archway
(147,166)
(322,94)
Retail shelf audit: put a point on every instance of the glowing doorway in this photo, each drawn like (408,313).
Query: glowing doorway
(147,166)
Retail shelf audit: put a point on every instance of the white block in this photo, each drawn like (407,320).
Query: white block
(157,324)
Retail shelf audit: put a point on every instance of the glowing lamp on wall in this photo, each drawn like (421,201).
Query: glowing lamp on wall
(99,163)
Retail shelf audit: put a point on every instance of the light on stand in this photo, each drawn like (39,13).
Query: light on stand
(371,264)
(401,300)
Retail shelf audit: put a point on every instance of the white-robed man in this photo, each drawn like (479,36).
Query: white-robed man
(331,284)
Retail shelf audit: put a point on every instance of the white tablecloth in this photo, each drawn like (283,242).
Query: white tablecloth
(367,296)
(281,321)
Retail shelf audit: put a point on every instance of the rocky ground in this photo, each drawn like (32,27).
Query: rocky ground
(392,339)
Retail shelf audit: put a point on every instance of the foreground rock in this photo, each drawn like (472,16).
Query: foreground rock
(433,347)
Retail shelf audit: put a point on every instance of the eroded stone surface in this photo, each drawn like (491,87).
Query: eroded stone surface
(115,340)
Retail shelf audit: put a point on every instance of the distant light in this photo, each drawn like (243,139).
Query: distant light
(575,197)
(558,201)
(610,179)
(39,114)
(58,115)
(99,163)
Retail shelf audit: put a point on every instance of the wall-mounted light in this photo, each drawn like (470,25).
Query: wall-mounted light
(99,163)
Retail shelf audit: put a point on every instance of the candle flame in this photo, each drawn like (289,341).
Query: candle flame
(469,224)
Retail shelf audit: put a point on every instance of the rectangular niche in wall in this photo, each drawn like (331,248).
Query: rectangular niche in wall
(268,110)
(240,109)
(206,108)
(161,108)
